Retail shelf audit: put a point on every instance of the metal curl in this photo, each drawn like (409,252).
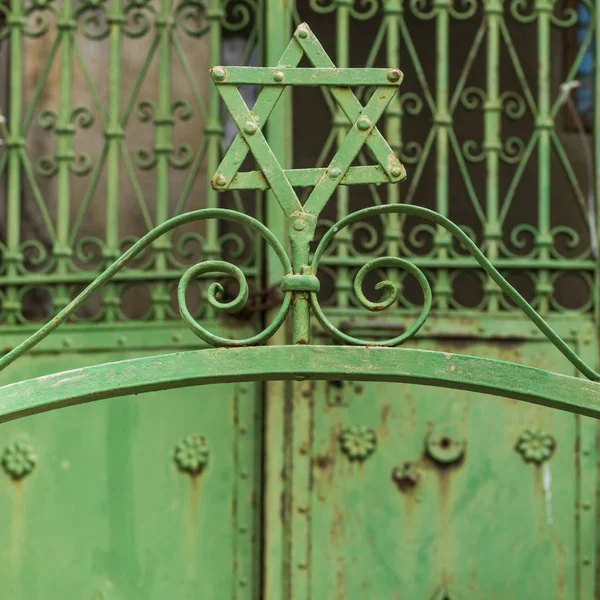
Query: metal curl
(469,12)
(144,242)
(370,10)
(372,240)
(137,23)
(573,240)
(41,256)
(471,247)
(418,8)
(468,231)
(145,110)
(81,164)
(512,150)
(411,153)
(41,24)
(513,104)
(94,24)
(321,7)
(516,235)
(411,103)
(473,151)
(568,19)
(473,98)
(190,15)
(89,249)
(182,110)
(46,166)
(390,297)
(241,12)
(47,119)
(181,157)
(237,243)
(144,159)
(416,238)
(516,6)
(82,117)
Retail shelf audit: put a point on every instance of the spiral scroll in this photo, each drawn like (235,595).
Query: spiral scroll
(391,292)
(201,268)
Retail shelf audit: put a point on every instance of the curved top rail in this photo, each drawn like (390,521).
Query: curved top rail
(201,367)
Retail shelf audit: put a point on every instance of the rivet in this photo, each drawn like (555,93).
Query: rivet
(587,561)
(218,73)
(243,582)
(243,430)
(335,172)
(302,32)
(301,566)
(243,529)
(363,123)
(303,509)
(396,172)
(244,474)
(393,75)
(121,341)
(278,76)
(250,127)
(67,342)
(176,337)
(221,180)
(587,506)
(304,449)
(299,224)
(586,452)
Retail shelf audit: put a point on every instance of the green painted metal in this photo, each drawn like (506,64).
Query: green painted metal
(441,369)
(322,229)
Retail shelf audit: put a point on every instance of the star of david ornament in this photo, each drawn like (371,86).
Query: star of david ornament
(273,81)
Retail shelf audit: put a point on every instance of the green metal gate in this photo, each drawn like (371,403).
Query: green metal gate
(363,484)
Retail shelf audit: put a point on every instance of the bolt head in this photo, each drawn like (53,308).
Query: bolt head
(335,173)
(302,32)
(396,172)
(299,224)
(250,127)
(221,180)
(278,76)
(393,75)
(363,123)
(218,73)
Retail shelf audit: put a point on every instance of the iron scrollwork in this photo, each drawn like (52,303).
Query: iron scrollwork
(300,284)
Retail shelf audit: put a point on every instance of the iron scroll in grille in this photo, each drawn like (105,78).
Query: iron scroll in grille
(300,283)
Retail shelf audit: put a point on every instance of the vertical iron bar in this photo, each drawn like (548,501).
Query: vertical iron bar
(544,125)
(492,144)
(343,283)
(278,429)
(64,153)
(163,122)
(596,143)
(443,122)
(393,122)
(114,135)
(214,133)
(12,256)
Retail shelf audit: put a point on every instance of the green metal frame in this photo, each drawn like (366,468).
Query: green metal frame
(300,284)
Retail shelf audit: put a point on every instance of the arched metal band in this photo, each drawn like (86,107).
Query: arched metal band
(200,367)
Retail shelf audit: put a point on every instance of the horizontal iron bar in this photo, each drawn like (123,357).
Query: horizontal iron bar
(82,278)
(211,366)
(251,180)
(305,76)
(470,263)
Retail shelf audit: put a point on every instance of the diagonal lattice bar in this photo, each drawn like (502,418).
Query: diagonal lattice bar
(250,123)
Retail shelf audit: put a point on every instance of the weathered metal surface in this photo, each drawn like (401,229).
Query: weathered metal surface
(123,520)
(441,369)
(402,524)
